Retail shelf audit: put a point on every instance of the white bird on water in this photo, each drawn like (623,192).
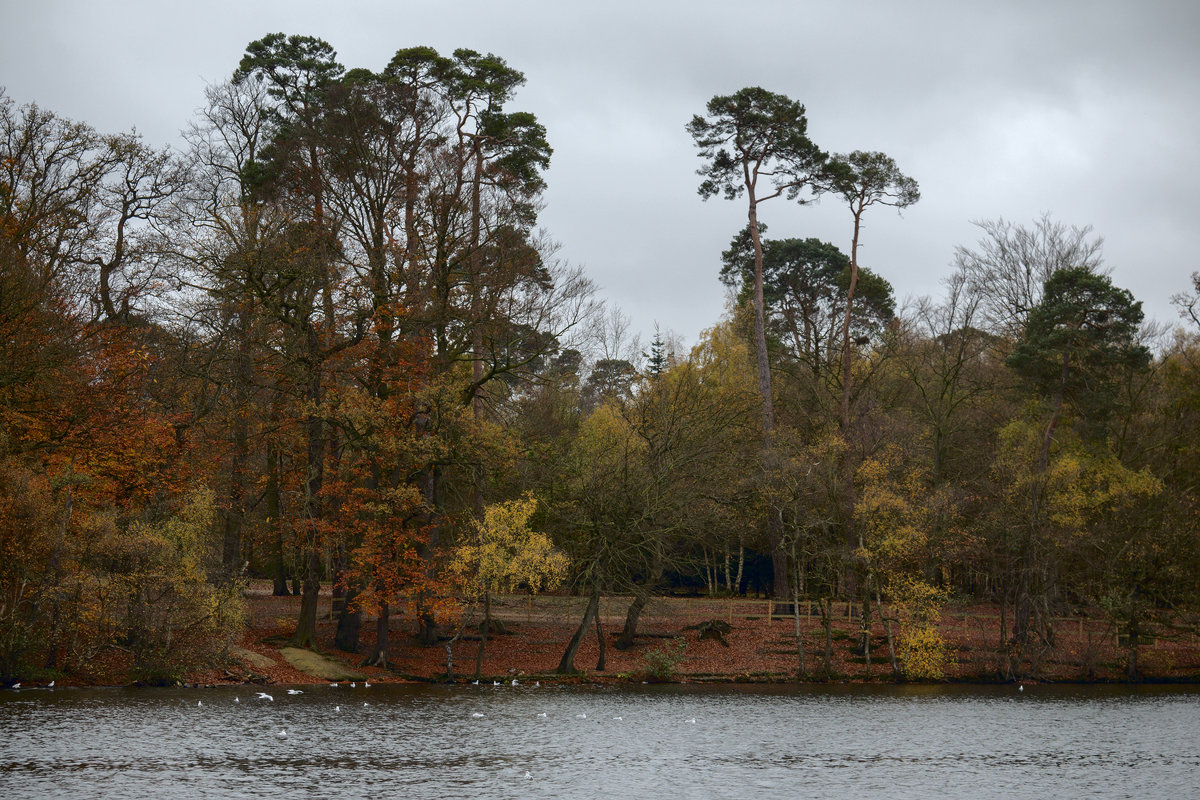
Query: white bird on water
(477,715)
(295,691)
(199,703)
(282,734)
(352,684)
(337,708)
(236,700)
(265,696)
(50,685)
(16,686)
(514,683)
(543,714)
(527,775)
(334,685)
(581,716)
(366,684)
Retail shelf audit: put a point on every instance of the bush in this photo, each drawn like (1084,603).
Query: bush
(175,618)
(925,654)
(662,662)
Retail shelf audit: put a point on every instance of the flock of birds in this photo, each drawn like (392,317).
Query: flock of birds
(282,734)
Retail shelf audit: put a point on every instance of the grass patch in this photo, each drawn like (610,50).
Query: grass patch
(257,660)
(318,666)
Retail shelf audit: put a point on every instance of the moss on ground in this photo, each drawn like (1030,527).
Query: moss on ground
(319,666)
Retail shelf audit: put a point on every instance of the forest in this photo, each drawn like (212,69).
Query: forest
(325,342)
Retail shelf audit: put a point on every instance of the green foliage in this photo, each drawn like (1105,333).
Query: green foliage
(805,286)
(869,178)
(1079,338)
(175,618)
(1078,485)
(662,662)
(754,128)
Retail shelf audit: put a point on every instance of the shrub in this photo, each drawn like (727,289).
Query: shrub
(925,654)
(662,662)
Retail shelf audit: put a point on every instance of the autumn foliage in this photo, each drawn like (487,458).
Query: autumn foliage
(326,344)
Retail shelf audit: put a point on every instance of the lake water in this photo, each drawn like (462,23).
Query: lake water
(640,742)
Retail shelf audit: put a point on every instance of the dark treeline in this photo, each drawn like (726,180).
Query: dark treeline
(324,342)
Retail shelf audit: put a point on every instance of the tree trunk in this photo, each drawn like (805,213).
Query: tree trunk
(306,626)
(567,665)
(887,629)
(274,502)
(483,633)
(799,638)
(600,661)
(1134,633)
(741,562)
(231,554)
(864,618)
(383,626)
(629,632)
(349,624)
(827,624)
(760,328)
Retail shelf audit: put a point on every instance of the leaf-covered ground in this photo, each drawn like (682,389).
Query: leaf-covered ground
(761,646)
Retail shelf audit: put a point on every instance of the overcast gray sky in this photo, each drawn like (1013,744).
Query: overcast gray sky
(1088,110)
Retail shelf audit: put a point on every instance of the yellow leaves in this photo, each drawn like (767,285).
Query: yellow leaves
(507,553)
(1078,484)
(925,654)
(921,647)
(1084,486)
(892,509)
(607,445)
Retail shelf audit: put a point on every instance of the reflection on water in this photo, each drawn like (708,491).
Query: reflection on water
(676,742)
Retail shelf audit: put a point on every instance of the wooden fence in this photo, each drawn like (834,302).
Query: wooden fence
(674,613)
